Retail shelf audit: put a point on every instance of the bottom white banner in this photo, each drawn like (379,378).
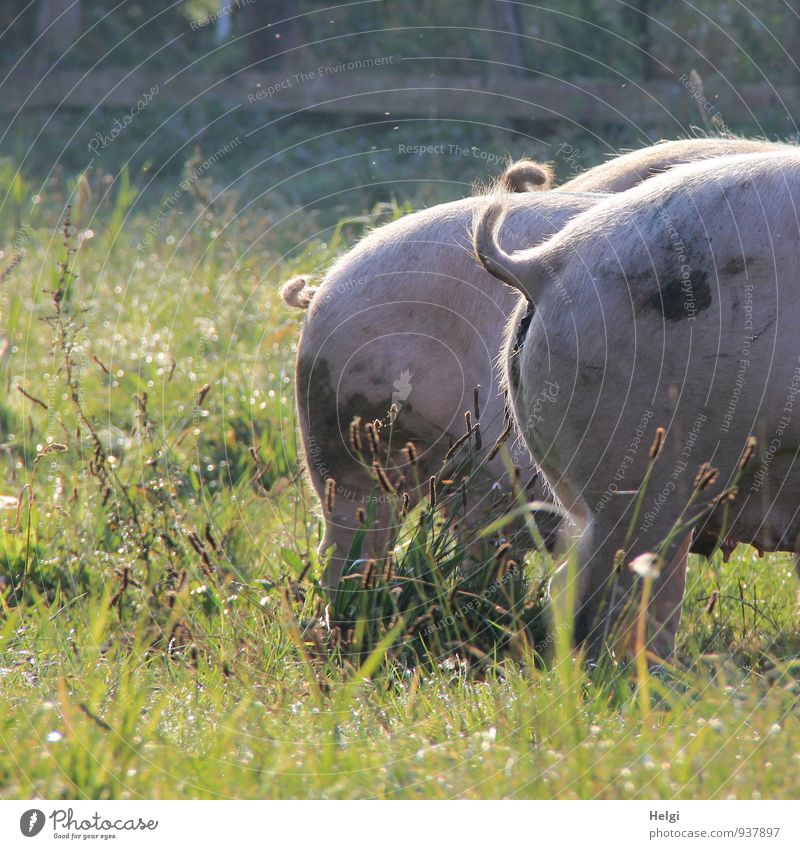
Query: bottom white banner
(385,825)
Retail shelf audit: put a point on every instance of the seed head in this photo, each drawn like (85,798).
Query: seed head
(201,395)
(383,478)
(330,494)
(501,440)
(706,476)
(454,446)
(658,443)
(432,490)
(54,447)
(368,573)
(355,434)
(749,451)
(411,451)
(389,573)
(728,494)
(374,438)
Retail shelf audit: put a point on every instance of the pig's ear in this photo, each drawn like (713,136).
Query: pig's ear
(523,270)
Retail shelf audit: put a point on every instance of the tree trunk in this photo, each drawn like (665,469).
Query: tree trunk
(792,40)
(57,27)
(266,37)
(506,49)
(649,66)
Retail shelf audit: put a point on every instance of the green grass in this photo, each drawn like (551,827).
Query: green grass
(159,630)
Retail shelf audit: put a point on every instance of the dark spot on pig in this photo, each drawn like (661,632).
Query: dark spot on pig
(318,398)
(359,405)
(683,297)
(736,265)
(327,424)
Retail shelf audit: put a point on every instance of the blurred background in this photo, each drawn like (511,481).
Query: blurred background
(334,108)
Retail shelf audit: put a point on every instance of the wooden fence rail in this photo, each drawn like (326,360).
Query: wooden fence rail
(388,91)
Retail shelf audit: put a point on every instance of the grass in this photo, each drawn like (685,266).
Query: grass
(160,627)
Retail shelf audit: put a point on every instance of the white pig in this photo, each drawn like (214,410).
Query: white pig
(408,318)
(629,169)
(674,305)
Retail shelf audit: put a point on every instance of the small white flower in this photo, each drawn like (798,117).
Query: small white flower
(647,565)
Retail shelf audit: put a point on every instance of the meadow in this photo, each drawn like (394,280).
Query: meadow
(162,634)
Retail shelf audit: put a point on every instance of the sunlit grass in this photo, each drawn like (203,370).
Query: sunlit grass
(191,671)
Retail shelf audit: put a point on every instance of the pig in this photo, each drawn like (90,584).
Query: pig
(672,306)
(629,169)
(360,350)
(407,321)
